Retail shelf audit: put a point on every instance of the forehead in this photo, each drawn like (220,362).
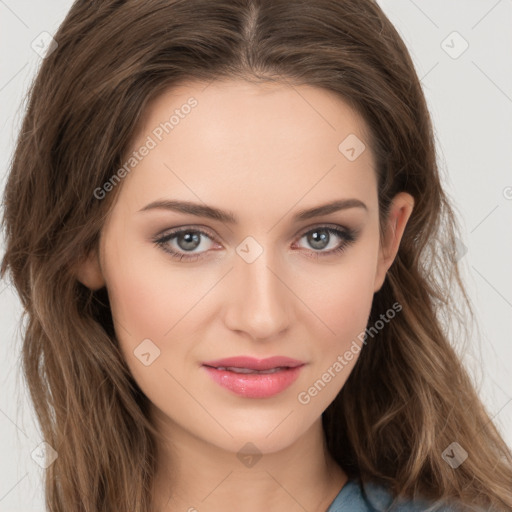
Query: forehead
(245,143)
(236,110)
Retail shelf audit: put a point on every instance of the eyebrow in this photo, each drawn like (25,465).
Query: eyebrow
(202,210)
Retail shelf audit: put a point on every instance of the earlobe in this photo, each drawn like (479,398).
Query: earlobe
(89,272)
(399,213)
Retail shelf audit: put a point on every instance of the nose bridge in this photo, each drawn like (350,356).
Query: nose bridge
(260,300)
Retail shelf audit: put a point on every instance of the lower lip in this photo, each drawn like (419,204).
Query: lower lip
(255,385)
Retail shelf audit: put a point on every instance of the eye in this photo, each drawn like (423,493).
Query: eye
(187,240)
(320,237)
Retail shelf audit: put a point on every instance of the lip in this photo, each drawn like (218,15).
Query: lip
(255,385)
(255,364)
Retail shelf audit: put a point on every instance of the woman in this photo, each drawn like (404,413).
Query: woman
(227,228)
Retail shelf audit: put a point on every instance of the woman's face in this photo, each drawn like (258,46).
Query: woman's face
(265,278)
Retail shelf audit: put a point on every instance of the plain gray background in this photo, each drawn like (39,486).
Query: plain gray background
(469,91)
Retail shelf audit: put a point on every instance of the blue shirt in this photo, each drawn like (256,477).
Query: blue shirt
(351,499)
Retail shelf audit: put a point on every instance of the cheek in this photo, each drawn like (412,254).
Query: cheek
(150,307)
(343,305)
(341,297)
(344,301)
(153,299)
(148,295)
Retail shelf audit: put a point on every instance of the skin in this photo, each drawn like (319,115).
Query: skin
(263,152)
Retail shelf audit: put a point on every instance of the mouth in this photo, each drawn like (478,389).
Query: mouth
(249,370)
(251,363)
(254,378)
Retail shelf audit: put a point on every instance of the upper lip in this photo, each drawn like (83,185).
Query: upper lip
(252,363)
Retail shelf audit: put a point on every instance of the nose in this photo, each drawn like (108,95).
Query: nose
(259,300)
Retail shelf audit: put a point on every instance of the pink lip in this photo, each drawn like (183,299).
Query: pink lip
(255,385)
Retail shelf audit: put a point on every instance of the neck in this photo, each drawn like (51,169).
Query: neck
(197,476)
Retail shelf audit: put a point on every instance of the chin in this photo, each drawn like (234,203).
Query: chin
(262,436)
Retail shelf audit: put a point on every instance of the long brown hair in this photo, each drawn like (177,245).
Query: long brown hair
(408,398)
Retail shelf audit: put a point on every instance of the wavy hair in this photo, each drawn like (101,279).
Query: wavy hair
(408,397)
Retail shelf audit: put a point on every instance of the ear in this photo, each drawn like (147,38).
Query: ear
(399,213)
(89,272)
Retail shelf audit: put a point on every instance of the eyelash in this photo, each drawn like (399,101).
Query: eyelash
(348,235)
